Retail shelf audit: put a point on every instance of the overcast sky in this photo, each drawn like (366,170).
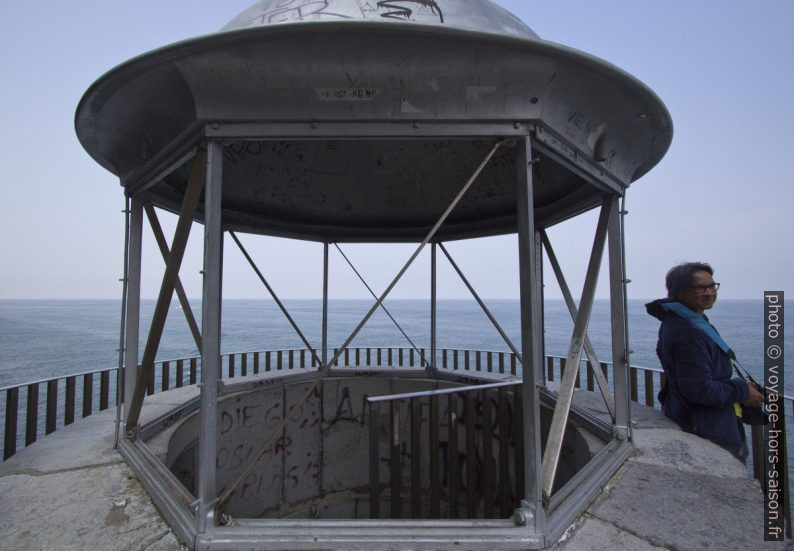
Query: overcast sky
(723,193)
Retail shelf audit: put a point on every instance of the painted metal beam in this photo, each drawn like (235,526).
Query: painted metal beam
(157,231)
(132,328)
(560,418)
(122,325)
(211,343)
(620,338)
(530,266)
(181,234)
(588,346)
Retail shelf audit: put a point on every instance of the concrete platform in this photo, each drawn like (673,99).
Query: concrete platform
(71,490)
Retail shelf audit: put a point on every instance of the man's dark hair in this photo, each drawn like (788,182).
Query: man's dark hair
(679,278)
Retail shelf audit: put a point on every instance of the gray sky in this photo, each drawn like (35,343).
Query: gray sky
(723,193)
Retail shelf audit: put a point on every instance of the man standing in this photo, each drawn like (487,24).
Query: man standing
(699,393)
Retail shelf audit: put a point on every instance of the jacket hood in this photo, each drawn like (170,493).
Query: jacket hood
(656,310)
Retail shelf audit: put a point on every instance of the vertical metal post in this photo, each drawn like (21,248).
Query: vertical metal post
(530,281)
(433,301)
(211,337)
(325,306)
(617,300)
(133,302)
(124,280)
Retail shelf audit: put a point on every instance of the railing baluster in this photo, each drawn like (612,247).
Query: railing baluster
(374,460)
(396,511)
(513,364)
(433,445)
(347,357)
(478,361)
(487,456)
(32,414)
(104,389)
(379,358)
(303,358)
(231,366)
(505,505)
(88,394)
(279,360)
(455,359)
(400,357)
(549,369)
(471,456)
(256,363)
(369,356)
(466,360)
(267,361)
(68,403)
(291,359)
(358,357)
(605,370)
(193,370)
(444,358)
(490,362)
(501,363)
(150,386)
(454,456)
(416,459)
(10,435)
(633,383)
(180,373)
(165,379)
(389,358)
(411,361)
(52,406)
(590,377)
(518,441)
(243,364)
(648,388)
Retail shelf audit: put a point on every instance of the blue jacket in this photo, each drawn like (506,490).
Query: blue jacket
(699,392)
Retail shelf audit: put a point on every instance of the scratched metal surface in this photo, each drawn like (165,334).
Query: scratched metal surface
(422,63)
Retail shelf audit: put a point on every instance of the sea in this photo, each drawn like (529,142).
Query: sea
(41,339)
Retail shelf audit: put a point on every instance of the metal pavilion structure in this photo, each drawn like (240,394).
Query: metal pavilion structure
(351,121)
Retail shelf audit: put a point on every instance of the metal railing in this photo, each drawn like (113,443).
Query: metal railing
(472,471)
(96,390)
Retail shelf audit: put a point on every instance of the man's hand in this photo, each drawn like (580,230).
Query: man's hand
(755,398)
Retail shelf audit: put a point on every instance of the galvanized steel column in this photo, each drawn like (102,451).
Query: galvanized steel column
(211,338)
(433,302)
(530,281)
(325,306)
(133,302)
(617,300)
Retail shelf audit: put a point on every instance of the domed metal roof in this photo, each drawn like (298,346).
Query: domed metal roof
(476,15)
(426,65)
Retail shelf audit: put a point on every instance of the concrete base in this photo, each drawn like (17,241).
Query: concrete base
(71,490)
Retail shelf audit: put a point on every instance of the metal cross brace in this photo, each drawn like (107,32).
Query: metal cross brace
(562,409)
(588,346)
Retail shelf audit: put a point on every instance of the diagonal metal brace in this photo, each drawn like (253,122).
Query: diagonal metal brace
(275,297)
(588,346)
(482,305)
(181,234)
(559,420)
(157,230)
(383,306)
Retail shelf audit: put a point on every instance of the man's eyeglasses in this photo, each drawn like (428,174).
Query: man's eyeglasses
(700,289)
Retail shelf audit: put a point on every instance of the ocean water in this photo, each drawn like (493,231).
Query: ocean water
(41,339)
